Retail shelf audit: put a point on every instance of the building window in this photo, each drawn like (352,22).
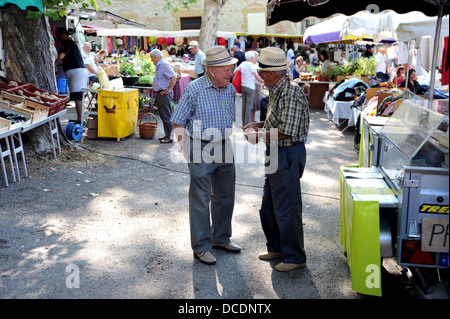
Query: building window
(191,23)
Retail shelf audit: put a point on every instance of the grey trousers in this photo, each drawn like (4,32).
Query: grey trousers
(165,112)
(211,196)
(248,96)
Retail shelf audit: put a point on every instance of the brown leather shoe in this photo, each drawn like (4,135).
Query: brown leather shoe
(271,255)
(288,267)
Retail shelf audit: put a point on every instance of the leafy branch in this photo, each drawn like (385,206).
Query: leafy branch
(56,9)
(172,5)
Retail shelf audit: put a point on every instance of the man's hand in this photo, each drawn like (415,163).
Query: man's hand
(251,131)
(179,132)
(251,135)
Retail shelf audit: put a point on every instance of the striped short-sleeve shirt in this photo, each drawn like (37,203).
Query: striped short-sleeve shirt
(206,112)
(288,111)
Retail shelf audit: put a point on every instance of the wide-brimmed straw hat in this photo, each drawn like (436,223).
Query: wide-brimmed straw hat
(192,44)
(178,40)
(218,56)
(272,59)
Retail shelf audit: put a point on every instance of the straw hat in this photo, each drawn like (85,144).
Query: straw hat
(193,44)
(178,40)
(272,59)
(218,56)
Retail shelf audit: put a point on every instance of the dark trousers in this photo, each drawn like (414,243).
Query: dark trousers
(281,208)
(165,112)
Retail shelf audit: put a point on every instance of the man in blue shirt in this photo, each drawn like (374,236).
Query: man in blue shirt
(203,122)
(194,49)
(163,83)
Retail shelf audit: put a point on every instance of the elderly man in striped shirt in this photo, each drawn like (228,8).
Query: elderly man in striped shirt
(163,83)
(203,123)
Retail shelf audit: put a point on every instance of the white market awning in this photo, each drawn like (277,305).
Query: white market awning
(417,29)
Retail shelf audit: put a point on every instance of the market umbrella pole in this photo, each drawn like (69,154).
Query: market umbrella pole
(435,55)
(408,64)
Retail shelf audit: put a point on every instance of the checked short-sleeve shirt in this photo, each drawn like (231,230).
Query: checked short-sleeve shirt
(163,73)
(288,111)
(206,112)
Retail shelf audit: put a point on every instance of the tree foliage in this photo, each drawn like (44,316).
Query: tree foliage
(173,5)
(56,9)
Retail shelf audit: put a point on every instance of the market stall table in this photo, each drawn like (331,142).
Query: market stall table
(12,151)
(179,87)
(7,153)
(340,110)
(53,122)
(317,89)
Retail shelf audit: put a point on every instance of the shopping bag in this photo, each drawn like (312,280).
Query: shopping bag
(237,82)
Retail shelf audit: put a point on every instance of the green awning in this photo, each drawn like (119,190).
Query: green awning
(34,5)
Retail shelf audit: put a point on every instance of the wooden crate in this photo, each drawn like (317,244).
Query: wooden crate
(12,98)
(4,125)
(53,105)
(38,111)
(24,113)
(4,103)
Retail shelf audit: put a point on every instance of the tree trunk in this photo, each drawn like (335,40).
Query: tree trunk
(30,58)
(29,48)
(210,23)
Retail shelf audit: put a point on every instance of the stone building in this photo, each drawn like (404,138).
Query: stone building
(239,16)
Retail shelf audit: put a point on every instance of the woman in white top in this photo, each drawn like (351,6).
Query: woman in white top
(326,65)
(248,76)
(258,90)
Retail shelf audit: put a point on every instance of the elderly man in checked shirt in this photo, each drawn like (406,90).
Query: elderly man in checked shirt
(287,117)
(203,123)
(163,83)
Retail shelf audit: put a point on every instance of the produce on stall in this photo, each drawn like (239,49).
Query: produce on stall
(357,67)
(24,103)
(22,94)
(137,70)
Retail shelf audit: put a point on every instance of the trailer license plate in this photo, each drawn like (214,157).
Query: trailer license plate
(435,235)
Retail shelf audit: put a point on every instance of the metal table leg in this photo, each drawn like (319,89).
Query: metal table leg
(54,131)
(17,150)
(4,154)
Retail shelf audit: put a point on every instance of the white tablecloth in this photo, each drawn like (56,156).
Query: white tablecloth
(340,110)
